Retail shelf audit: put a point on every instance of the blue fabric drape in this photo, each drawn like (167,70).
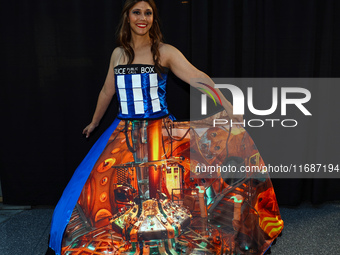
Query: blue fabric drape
(69,198)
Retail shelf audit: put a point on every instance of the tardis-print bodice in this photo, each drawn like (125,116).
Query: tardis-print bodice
(141,92)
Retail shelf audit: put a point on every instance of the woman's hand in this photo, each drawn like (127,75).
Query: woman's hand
(236,118)
(88,130)
(229,109)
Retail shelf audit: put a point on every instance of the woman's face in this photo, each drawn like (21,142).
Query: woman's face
(140,18)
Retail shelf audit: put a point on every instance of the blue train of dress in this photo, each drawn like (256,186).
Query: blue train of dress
(68,200)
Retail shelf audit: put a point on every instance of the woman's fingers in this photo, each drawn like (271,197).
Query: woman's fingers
(87,131)
(239,118)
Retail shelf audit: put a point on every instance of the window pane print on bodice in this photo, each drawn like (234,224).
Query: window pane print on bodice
(141,92)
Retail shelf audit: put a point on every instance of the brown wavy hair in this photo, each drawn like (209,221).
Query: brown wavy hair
(124,33)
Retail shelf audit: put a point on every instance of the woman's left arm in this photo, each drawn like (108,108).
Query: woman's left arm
(184,70)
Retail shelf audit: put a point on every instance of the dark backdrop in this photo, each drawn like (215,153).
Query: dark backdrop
(56,54)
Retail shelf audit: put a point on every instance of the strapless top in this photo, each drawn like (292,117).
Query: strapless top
(141,91)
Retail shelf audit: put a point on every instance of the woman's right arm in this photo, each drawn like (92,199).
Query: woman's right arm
(105,94)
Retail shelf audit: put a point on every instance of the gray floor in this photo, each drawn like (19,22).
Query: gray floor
(308,230)
(24,231)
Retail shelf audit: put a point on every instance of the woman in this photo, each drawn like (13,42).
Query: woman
(141,43)
(121,199)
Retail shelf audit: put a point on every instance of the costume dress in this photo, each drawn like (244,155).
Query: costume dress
(144,187)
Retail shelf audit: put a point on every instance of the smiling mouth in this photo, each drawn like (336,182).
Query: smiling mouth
(141,25)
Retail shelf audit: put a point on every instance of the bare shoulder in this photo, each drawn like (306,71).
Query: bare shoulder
(116,54)
(167,49)
(167,53)
(118,50)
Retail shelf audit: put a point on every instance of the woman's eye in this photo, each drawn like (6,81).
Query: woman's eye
(149,13)
(136,12)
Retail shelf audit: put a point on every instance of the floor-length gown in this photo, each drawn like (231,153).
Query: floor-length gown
(153,185)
